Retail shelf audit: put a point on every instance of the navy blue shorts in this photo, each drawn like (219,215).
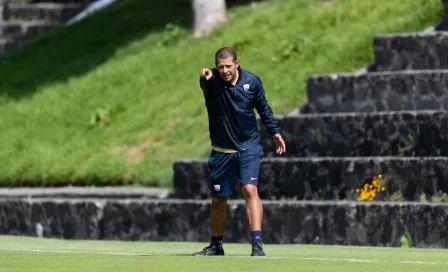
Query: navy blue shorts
(227,168)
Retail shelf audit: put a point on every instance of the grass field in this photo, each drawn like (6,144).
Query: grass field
(143,65)
(31,254)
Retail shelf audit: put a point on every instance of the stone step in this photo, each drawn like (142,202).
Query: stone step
(7,44)
(284,222)
(443,24)
(24,30)
(326,178)
(410,51)
(84,2)
(413,133)
(23,2)
(3,45)
(84,192)
(50,12)
(380,91)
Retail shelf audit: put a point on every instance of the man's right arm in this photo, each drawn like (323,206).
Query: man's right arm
(206,79)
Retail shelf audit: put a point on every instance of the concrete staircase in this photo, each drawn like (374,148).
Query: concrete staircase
(21,21)
(391,120)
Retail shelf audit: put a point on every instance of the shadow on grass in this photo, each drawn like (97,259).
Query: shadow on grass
(74,50)
(71,51)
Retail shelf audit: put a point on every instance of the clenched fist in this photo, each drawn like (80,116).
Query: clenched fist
(206,73)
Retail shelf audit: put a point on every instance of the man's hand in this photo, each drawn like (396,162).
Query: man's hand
(279,144)
(206,73)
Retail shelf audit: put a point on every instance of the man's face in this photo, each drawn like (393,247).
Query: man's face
(227,68)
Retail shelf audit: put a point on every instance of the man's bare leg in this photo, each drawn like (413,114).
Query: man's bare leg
(218,216)
(218,219)
(254,210)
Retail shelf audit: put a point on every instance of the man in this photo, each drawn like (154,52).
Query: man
(231,94)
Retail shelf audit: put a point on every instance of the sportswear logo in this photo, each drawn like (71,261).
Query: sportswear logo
(217,187)
(246,87)
(253,178)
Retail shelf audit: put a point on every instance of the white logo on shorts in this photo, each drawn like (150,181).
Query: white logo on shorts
(217,187)
(246,87)
(253,178)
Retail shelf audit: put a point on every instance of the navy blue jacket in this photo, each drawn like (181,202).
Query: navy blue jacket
(232,121)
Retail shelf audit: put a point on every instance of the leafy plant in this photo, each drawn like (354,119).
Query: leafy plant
(171,35)
(406,240)
(292,48)
(103,115)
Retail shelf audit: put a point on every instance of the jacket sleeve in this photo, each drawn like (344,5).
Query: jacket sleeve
(264,110)
(207,85)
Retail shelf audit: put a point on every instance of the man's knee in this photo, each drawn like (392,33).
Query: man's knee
(250,191)
(218,202)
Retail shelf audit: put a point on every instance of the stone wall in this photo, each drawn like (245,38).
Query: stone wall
(416,51)
(443,24)
(325,177)
(386,91)
(84,192)
(295,222)
(48,11)
(21,20)
(416,133)
(84,2)
(62,219)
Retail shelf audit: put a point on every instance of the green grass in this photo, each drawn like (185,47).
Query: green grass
(130,57)
(31,254)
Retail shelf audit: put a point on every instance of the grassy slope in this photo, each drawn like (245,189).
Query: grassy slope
(31,254)
(49,92)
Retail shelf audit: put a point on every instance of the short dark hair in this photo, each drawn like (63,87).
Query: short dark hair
(224,53)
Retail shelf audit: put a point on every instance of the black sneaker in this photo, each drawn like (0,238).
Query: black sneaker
(257,249)
(211,250)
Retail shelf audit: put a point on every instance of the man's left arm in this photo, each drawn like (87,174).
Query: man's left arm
(267,116)
(264,110)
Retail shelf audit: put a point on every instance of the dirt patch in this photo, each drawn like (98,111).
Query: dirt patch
(119,149)
(136,154)
(323,3)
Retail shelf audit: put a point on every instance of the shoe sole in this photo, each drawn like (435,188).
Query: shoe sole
(207,255)
(200,255)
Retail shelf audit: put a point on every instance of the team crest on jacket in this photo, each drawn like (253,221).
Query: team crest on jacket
(246,87)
